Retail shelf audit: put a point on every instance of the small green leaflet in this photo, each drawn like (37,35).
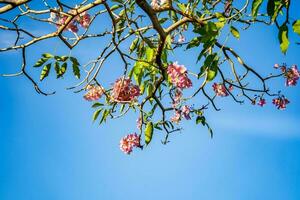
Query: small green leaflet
(47,55)
(96,114)
(255,6)
(104,116)
(200,119)
(75,66)
(283,38)
(234,32)
(195,42)
(148,132)
(134,45)
(40,62)
(97,104)
(63,69)
(138,72)
(45,71)
(212,73)
(296,26)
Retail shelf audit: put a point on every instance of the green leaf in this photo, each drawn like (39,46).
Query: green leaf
(150,89)
(283,38)
(96,114)
(63,69)
(182,7)
(45,71)
(40,62)
(234,32)
(57,69)
(60,71)
(195,42)
(296,26)
(75,66)
(142,88)
(255,6)
(122,108)
(47,55)
(149,42)
(134,45)
(138,73)
(149,53)
(97,104)
(74,60)
(157,126)
(148,132)
(104,116)
(211,74)
(61,58)
(200,119)
(273,8)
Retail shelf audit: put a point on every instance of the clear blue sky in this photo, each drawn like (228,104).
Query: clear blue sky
(51,150)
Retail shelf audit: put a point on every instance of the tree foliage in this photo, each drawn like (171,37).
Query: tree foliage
(144,35)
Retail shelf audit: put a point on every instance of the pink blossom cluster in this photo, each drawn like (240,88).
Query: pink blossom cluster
(185,112)
(221,90)
(93,93)
(291,74)
(281,102)
(124,90)
(261,102)
(82,19)
(128,142)
(178,76)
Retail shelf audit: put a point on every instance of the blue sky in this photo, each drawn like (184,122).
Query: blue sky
(50,149)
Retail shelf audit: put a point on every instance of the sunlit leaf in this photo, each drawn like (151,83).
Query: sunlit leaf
(255,6)
(45,71)
(148,132)
(283,38)
(96,114)
(234,32)
(296,26)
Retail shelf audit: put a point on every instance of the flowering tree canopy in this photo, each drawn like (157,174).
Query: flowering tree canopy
(143,34)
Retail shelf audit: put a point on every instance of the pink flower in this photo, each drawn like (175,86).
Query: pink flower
(176,117)
(72,27)
(281,102)
(139,123)
(178,76)
(292,75)
(94,93)
(84,19)
(220,89)
(261,102)
(177,98)
(128,142)
(124,90)
(185,111)
(276,66)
